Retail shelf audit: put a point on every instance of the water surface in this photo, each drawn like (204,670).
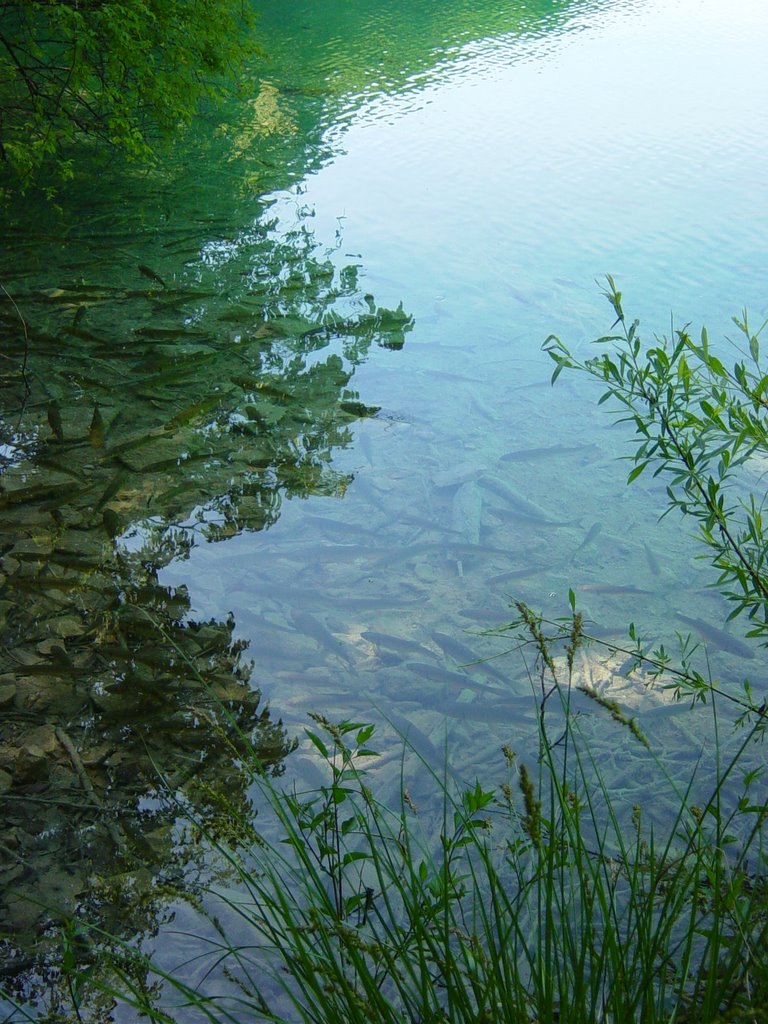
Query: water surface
(287,402)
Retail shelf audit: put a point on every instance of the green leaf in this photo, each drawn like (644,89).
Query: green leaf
(346,726)
(710,412)
(351,857)
(317,742)
(716,366)
(365,734)
(607,339)
(637,471)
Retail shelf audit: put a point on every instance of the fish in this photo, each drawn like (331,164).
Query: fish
(525,454)
(256,620)
(458,474)
(390,658)
(194,411)
(601,631)
(462,680)
(373,603)
(592,533)
(83,335)
(719,637)
(400,644)
(54,420)
(522,297)
(428,524)
(307,624)
(414,737)
(511,709)
(96,429)
(485,411)
(56,494)
(276,391)
(518,502)
(612,588)
(465,656)
(445,375)
(366,447)
(448,547)
(661,711)
(242,315)
(514,515)
(650,558)
(338,526)
(456,549)
(496,615)
(303,597)
(151,274)
(519,574)
(117,482)
(323,554)
(534,384)
(111,522)
(466,512)
(168,333)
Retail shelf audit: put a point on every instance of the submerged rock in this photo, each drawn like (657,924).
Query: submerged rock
(7,692)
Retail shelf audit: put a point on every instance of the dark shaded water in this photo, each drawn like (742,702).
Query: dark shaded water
(286,392)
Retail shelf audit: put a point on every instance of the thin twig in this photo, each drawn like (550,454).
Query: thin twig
(26,338)
(86,783)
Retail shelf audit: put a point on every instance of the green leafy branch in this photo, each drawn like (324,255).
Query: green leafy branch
(697,423)
(117,72)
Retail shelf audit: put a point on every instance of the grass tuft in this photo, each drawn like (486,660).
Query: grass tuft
(541,898)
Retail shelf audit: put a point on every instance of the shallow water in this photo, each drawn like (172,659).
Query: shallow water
(325,425)
(486,195)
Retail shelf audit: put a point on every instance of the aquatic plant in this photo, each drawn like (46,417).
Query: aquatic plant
(701,427)
(539,897)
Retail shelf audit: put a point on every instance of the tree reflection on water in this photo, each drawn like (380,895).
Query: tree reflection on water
(137,423)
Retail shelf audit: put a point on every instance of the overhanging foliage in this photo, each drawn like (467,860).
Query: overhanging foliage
(115,72)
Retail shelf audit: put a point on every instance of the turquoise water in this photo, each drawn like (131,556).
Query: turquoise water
(406,201)
(487,195)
